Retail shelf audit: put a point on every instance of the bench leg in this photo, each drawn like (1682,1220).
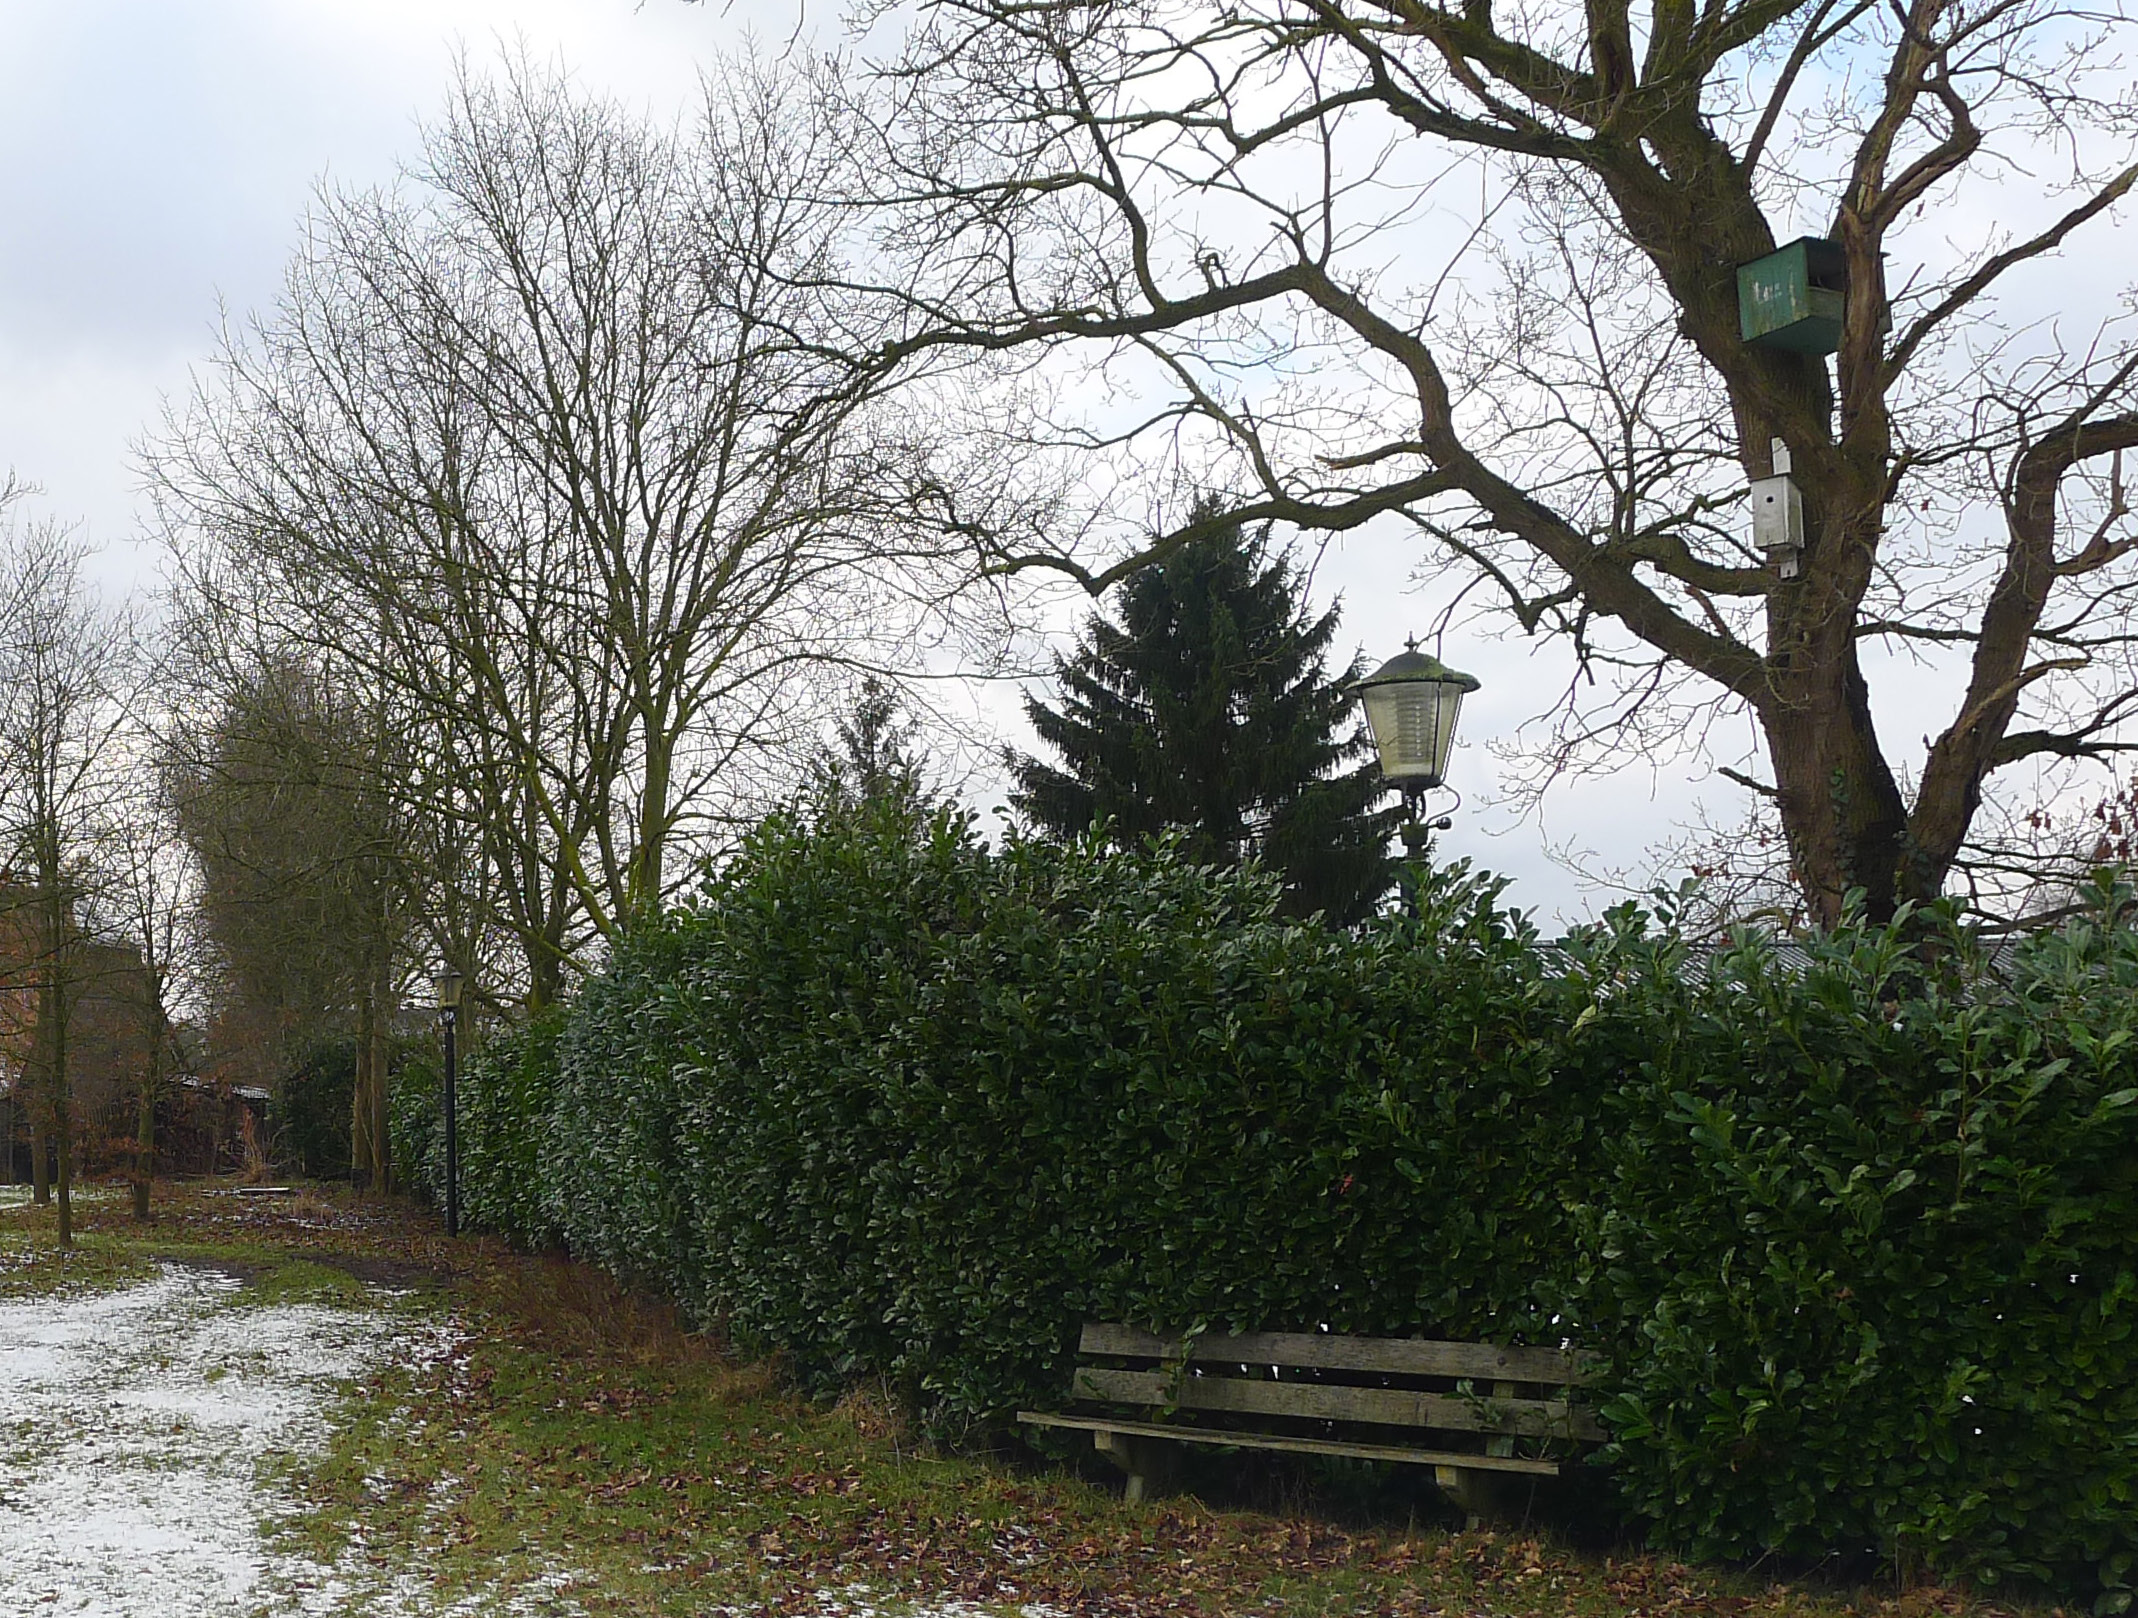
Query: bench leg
(1483,1496)
(1149,1462)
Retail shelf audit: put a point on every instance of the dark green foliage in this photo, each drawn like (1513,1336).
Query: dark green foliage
(1867,1261)
(1208,710)
(613,1155)
(895,1105)
(878,753)
(504,1102)
(413,1121)
(315,1109)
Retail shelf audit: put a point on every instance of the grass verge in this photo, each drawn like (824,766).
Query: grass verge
(577,1451)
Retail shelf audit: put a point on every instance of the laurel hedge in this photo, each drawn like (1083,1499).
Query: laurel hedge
(1866,1259)
(1852,1228)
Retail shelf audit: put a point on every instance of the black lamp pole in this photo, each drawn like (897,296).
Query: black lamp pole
(448,983)
(452,1133)
(1417,845)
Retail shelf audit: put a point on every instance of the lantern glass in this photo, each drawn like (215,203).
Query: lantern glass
(1412,703)
(448,983)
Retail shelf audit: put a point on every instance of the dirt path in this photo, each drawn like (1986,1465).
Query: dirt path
(131,1426)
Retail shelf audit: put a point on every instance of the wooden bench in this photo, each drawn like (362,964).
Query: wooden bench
(1495,1415)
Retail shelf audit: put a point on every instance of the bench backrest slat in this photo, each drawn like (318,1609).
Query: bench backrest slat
(1402,1356)
(1321,1401)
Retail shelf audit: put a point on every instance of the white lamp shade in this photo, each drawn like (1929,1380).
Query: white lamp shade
(1412,702)
(447,983)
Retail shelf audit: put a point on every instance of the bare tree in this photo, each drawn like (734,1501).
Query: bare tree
(537,451)
(1475,268)
(306,880)
(63,663)
(146,909)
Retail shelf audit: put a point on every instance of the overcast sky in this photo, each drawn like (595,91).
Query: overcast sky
(158,158)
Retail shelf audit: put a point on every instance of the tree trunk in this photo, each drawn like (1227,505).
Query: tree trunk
(145,1128)
(40,1168)
(381,1021)
(545,953)
(1841,809)
(52,1008)
(646,880)
(361,1152)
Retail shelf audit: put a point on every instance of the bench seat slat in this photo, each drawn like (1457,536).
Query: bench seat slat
(1405,1356)
(1303,1446)
(1321,1401)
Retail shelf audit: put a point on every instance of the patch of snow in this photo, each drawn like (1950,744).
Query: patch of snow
(20,1196)
(131,1426)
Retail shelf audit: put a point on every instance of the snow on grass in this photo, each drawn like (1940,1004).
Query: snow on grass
(132,1424)
(19,1196)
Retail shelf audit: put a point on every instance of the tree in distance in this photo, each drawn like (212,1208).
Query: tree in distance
(305,888)
(64,663)
(877,758)
(536,453)
(1208,708)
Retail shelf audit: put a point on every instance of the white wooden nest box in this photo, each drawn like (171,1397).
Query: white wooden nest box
(1778,514)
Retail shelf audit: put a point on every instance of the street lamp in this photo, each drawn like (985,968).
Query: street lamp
(1411,703)
(448,984)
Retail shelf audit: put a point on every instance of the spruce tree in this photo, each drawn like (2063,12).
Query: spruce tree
(1208,708)
(878,757)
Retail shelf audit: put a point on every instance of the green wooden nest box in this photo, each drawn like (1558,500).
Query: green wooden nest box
(1793,297)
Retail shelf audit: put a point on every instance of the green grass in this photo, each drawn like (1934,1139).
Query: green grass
(680,1485)
(578,1450)
(34,1267)
(581,1432)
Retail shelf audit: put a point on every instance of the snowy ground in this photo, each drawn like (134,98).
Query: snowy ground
(18,1196)
(131,1425)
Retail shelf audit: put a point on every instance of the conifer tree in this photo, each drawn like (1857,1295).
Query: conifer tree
(878,757)
(1208,708)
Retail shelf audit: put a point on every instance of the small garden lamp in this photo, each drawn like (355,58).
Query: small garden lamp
(1411,703)
(448,984)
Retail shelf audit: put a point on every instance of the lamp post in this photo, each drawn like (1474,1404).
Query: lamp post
(1412,702)
(448,984)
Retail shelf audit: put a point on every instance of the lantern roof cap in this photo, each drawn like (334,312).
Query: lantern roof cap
(1413,666)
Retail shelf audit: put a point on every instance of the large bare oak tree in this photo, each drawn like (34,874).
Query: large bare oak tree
(1473,266)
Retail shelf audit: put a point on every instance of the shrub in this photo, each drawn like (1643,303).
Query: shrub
(611,1153)
(503,1103)
(890,1102)
(1865,1261)
(414,1121)
(316,1095)
(1855,1234)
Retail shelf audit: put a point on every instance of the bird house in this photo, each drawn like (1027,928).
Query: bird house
(1778,515)
(1794,297)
